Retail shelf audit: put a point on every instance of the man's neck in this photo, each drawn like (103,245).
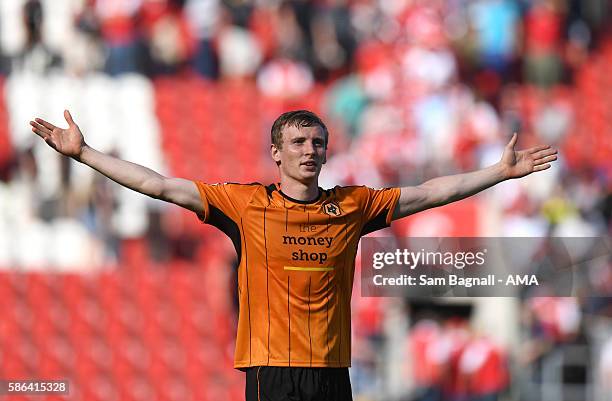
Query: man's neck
(300,191)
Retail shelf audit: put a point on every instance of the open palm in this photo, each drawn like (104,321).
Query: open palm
(67,141)
(519,163)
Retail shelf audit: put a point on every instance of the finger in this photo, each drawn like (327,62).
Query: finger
(541,167)
(68,118)
(544,153)
(546,159)
(39,133)
(512,140)
(45,123)
(39,129)
(536,149)
(47,138)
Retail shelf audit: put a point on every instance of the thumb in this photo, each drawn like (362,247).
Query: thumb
(68,118)
(512,141)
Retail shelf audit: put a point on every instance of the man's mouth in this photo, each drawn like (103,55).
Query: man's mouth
(310,163)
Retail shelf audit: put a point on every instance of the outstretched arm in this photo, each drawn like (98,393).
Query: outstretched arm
(70,142)
(443,190)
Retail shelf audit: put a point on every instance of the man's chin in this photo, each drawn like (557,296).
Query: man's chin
(308,177)
(304,176)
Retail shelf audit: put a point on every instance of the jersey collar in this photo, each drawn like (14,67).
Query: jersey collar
(301,202)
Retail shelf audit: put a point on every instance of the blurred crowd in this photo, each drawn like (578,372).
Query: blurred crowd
(451,362)
(411,89)
(487,43)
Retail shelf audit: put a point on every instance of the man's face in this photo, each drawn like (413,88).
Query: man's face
(302,154)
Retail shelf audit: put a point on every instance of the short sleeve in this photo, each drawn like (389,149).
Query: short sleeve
(227,199)
(377,207)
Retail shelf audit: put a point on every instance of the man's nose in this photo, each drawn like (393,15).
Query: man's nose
(309,148)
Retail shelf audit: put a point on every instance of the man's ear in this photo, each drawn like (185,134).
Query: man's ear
(275,153)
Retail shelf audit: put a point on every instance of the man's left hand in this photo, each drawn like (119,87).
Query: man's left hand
(519,163)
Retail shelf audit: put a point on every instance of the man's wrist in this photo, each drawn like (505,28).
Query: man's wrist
(501,172)
(83,153)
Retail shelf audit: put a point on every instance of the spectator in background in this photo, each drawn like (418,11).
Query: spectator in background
(430,360)
(605,367)
(543,29)
(579,34)
(86,51)
(285,79)
(35,57)
(5,62)
(239,52)
(170,42)
(121,35)
(497,27)
(595,13)
(483,368)
(346,102)
(203,19)
(98,218)
(333,40)
(303,12)
(287,75)
(551,321)
(240,11)
(491,43)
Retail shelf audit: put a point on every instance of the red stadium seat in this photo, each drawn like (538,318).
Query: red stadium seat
(6,147)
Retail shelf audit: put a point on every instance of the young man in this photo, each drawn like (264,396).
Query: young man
(296,244)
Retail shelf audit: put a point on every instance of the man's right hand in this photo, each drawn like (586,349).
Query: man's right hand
(67,141)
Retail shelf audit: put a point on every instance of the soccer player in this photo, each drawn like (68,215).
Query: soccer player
(296,244)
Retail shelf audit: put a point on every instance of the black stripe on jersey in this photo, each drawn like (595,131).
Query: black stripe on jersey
(267,278)
(309,336)
(340,305)
(345,280)
(289,318)
(246,266)
(377,223)
(327,319)
(286,215)
(361,223)
(220,220)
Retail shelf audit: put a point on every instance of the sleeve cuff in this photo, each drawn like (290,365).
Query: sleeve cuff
(202,216)
(391,210)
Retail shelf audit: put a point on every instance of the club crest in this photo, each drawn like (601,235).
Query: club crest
(332,209)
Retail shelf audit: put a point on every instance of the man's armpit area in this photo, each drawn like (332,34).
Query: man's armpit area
(201,217)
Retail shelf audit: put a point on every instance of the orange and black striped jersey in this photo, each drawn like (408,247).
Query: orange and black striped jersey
(297,261)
